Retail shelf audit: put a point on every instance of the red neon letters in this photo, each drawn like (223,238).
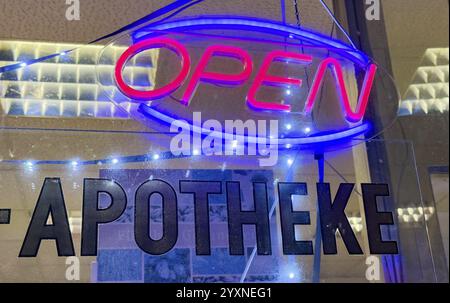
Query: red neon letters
(262,78)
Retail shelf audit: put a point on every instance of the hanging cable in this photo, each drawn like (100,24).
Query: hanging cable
(337,22)
(299,24)
(297,14)
(321,91)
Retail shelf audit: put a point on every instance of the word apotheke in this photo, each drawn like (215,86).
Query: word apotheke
(331,211)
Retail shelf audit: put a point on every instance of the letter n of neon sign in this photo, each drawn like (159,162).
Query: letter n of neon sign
(336,68)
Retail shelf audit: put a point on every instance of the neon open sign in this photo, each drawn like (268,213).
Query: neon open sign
(200,74)
(324,56)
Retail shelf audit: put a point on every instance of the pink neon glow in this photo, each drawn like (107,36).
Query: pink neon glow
(201,74)
(263,78)
(133,50)
(352,116)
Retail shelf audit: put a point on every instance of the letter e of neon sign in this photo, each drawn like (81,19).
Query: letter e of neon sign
(264,78)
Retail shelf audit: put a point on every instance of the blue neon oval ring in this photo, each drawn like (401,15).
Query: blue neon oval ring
(255,24)
(270,27)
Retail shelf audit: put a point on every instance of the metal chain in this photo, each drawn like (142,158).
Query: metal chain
(297,13)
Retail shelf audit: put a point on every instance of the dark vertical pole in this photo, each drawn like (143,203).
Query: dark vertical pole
(320,158)
(371,37)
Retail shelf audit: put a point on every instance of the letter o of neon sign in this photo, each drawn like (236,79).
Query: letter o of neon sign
(135,49)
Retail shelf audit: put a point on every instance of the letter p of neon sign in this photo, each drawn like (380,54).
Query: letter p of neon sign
(158,93)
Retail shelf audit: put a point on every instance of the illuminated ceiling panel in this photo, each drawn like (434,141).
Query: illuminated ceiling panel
(67,84)
(428,92)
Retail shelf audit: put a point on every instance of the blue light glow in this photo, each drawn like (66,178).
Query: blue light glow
(313,39)
(255,24)
(290,272)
